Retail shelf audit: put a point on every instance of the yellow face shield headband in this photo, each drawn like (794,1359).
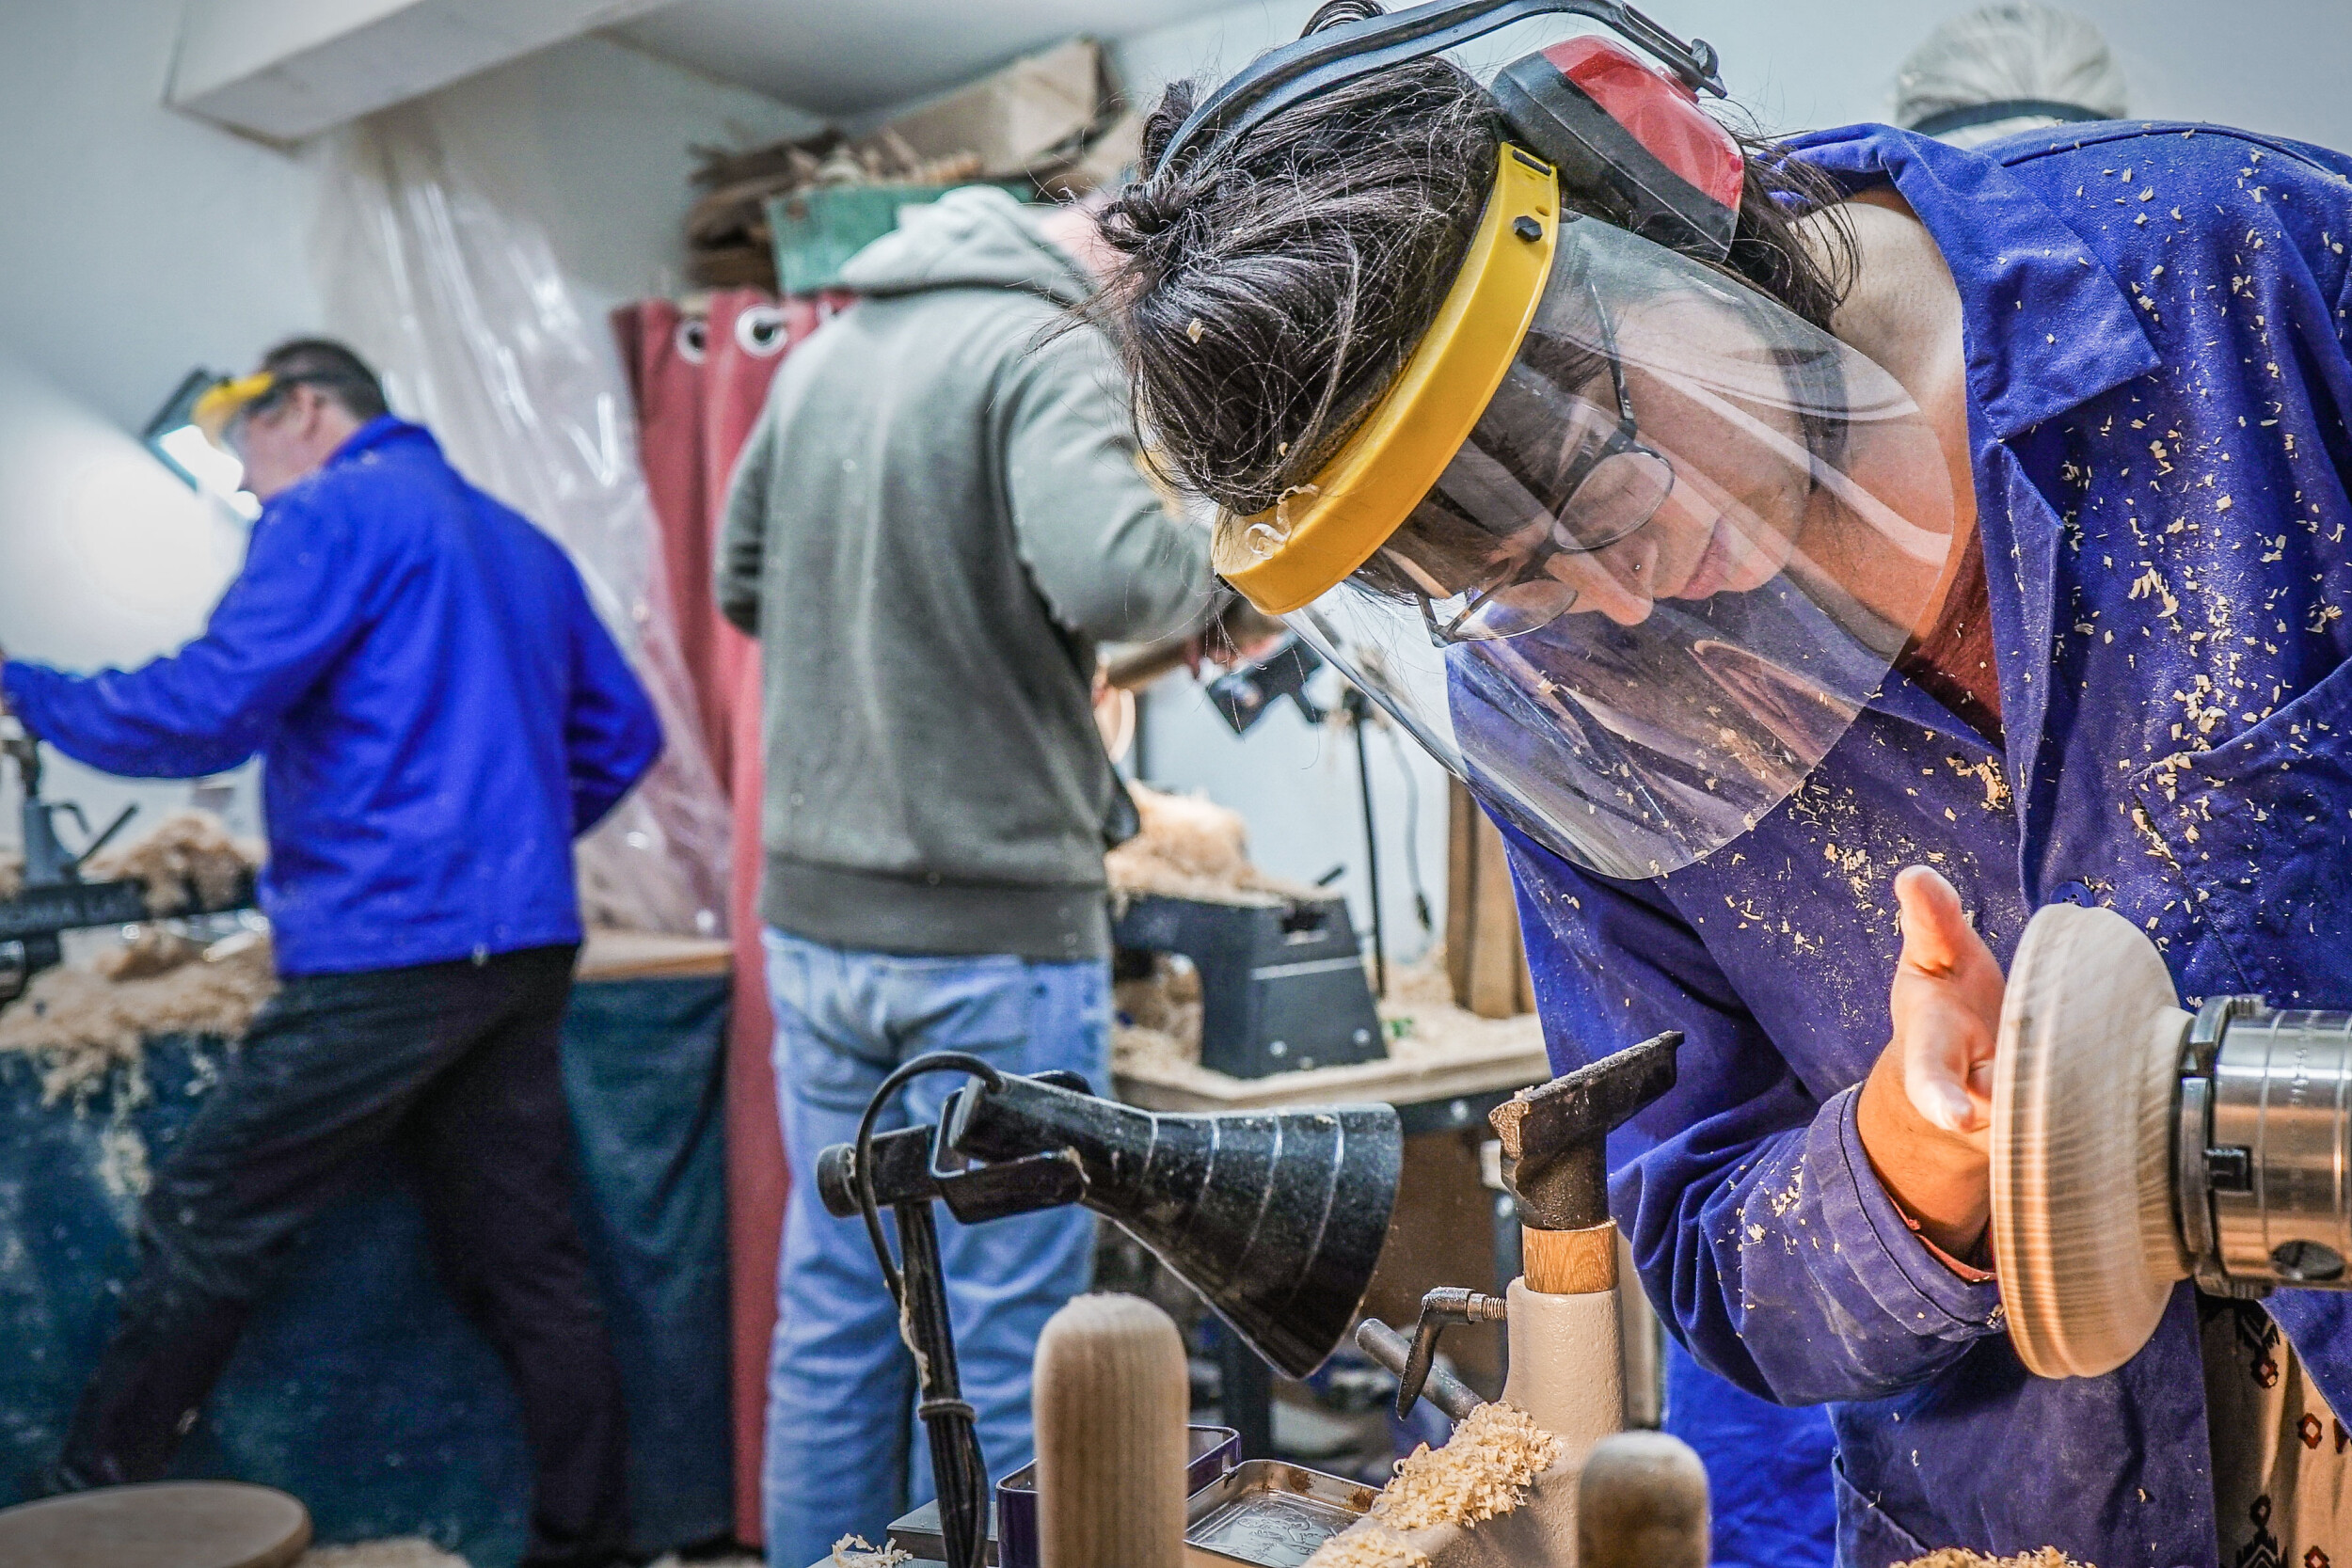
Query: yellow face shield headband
(223,401)
(1321,531)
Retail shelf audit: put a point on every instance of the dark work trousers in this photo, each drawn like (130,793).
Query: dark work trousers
(457,1063)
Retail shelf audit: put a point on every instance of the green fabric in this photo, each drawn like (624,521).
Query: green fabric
(940,516)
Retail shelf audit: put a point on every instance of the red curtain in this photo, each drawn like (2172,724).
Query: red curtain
(700,382)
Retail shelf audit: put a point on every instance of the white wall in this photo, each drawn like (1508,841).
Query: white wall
(139,243)
(2269,65)
(594,139)
(105,558)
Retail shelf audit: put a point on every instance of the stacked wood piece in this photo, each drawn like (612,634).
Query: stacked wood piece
(1486,960)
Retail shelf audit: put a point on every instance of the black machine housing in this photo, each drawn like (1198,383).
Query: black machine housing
(1283,986)
(54,898)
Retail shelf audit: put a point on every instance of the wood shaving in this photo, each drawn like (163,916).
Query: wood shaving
(1955,1556)
(80,1024)
(1367,1546)
(191,861)
(1191,847)
(1484,1469)
(855,1551)
(147,952)
(1167,1001)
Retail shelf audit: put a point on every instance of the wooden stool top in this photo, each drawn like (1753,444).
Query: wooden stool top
(172,1524)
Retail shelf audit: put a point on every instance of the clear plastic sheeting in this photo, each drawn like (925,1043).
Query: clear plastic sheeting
(456,296)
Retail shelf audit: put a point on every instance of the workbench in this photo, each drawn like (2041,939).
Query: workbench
(359,1387)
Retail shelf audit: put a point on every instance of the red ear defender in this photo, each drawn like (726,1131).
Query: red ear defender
(1602,116)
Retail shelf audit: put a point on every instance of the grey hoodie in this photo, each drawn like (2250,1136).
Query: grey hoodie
(938,519)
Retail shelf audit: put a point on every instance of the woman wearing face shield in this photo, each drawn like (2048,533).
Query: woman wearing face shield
(1813,584)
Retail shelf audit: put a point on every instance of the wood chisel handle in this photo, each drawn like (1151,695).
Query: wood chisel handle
(1642,1503)
(1110,1397)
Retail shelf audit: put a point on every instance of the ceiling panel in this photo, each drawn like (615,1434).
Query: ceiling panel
(840,59)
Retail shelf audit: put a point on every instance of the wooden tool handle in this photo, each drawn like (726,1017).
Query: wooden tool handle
(1642,1503)
(1570,1262)
(1110,1398)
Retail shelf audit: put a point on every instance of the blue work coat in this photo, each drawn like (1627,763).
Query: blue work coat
(2157,380)
(438,709)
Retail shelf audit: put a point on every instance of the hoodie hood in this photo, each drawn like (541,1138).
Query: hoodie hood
(976,237)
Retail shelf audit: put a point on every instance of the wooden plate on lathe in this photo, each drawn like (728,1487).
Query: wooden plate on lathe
(171,1524)
(2083,1088)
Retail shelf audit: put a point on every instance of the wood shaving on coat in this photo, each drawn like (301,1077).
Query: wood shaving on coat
(1956,1556)
(80,1023)
(1484,1469)
(190,861)
(1367,1546)
(1191,847)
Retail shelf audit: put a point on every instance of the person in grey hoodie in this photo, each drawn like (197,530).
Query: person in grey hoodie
(941,514)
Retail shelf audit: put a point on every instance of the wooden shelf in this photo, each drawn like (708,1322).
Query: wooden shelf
(613,954)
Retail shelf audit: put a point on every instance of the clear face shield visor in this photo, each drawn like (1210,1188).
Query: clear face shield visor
(1650,585)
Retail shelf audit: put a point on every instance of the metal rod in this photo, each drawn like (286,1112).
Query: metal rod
(1441,1389)
(108,837)
(956,1463)
(1247,1403)
(1358,713)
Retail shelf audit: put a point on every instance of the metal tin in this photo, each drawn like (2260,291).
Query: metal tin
(1270,1514)
(1210,1451)
(1013,1539)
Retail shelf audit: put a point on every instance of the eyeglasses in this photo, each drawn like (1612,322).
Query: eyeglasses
(233,434)
(1610,495)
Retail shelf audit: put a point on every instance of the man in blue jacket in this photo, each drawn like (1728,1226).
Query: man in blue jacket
(440,713)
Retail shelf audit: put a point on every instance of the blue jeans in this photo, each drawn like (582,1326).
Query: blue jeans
(845,1452)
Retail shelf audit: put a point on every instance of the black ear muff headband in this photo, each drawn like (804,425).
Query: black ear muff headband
(1548,112)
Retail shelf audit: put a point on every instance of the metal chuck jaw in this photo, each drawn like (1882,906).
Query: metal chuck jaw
(2263,1148)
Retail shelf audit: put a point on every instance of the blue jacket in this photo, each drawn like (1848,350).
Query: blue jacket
(438,712)
(2158,383)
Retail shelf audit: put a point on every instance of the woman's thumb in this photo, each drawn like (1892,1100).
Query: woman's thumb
(1935,931)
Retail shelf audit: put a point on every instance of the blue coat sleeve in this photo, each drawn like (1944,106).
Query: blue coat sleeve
(1758,1226)
(611,732)
(292,611)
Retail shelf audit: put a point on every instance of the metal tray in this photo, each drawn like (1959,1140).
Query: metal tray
(1269,1514)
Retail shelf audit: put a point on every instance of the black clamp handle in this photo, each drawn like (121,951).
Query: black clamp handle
(1415,1363)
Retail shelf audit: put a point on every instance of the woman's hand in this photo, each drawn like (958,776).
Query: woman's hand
(1926,1115)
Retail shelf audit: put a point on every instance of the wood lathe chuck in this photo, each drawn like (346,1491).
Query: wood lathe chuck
(2135,1146)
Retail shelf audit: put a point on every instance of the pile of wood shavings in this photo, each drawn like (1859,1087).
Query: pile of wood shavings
(1191,847)
(80,1024)
(1956,1556)
(855,1551)
(1484,1469)
(190,852)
